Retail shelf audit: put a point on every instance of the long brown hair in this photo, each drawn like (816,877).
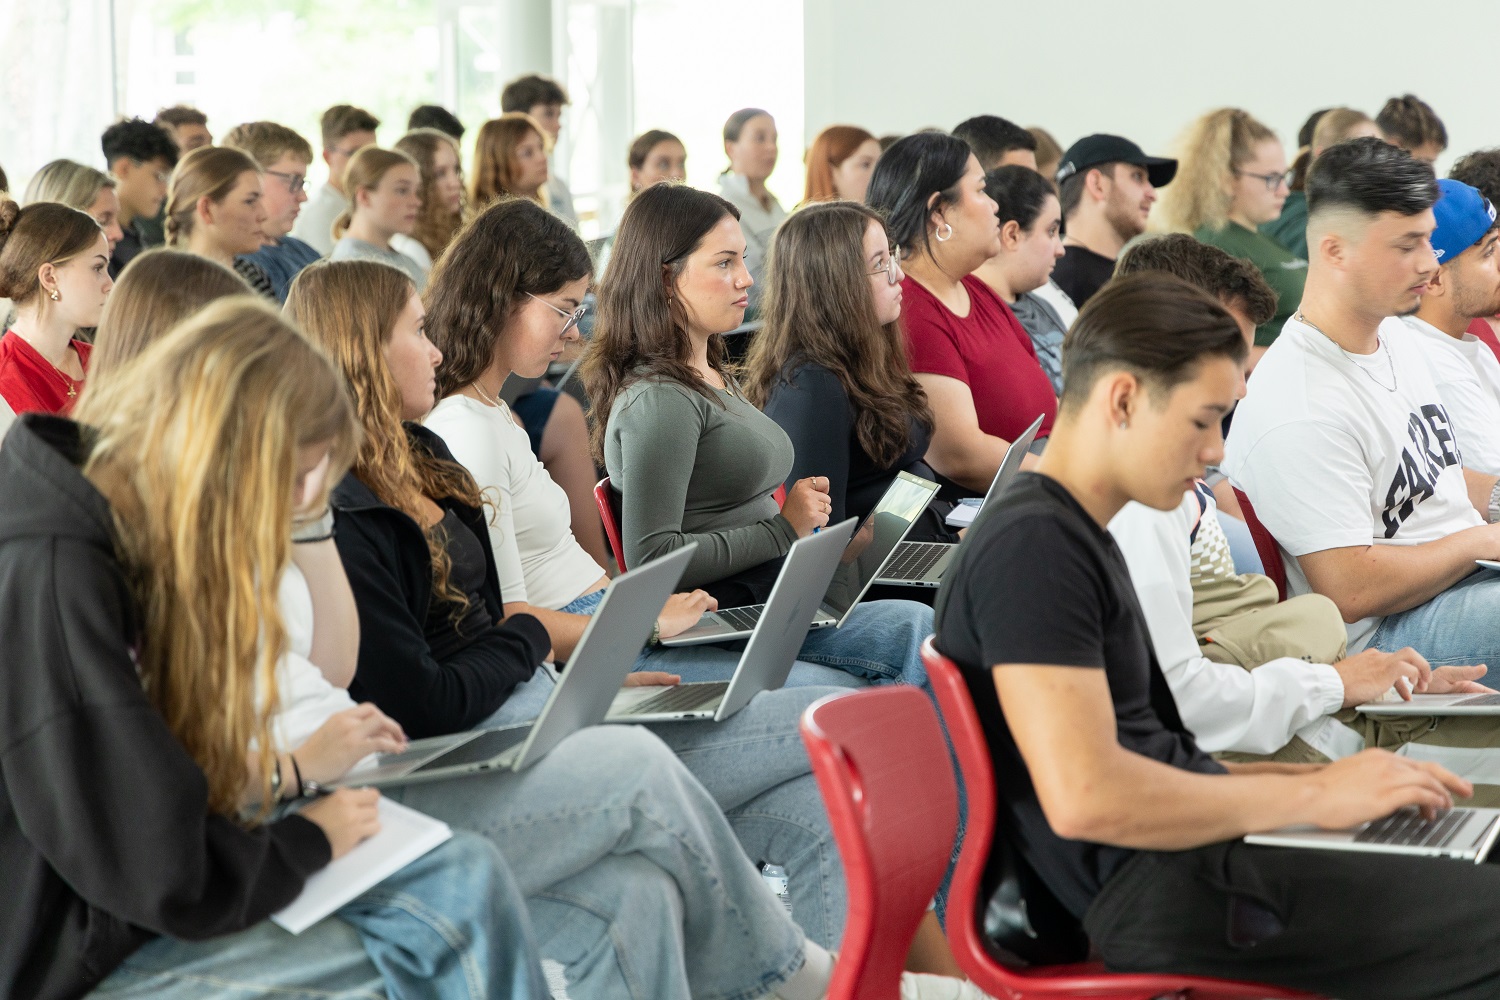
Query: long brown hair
(161,288)
(350,308)
(831,147)
(207,172)
(642,328)
(494,153)
(511,249)
(818,310)
(195,444)
(366,169)
(436,226)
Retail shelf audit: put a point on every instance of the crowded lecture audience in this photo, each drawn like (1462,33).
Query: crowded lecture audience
(299,483)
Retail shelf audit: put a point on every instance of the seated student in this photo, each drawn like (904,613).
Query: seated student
(1231,177)
(510,160)
(444,202)
(140,157)
(1102,788)
(435,116)
(839,163)
(54,265)
(187,126)
(1049,152)
(140,701)
(970,355)
(543,98)
(283,156)
(750,143)
(692,457)
(1107,187)
(829,366)
(214,210)
(84,188)
(1465,287)
(1343,444)
(997,142)
(655,156)
(385,195)
(1329,127)
(1481,169)
(345,131)
(1030,245)
(1410,123)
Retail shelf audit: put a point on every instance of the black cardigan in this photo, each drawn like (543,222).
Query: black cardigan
(105,831)
(389,566)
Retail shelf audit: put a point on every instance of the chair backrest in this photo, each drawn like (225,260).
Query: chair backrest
(893,806)
(609,501)
(999,910)
(1265,544)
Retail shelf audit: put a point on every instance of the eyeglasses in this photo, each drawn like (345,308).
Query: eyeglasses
(295,183)
(892,267)
(1272,182)
(573,317)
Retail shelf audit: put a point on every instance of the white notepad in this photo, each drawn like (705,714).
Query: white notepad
(405,835)
(963,513)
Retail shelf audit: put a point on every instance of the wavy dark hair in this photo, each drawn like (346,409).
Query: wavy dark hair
(642,329)
(511,249)
(818,310)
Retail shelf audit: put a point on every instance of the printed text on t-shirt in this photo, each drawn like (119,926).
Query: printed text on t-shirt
(1432,450)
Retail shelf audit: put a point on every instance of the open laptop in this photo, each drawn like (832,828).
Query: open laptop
(773,646)
(1462,834)
(613,638)
(863,561)
(922,564)
(1434,704)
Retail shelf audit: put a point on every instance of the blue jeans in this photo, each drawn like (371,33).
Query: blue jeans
(452,924)
(1241,545)
(881,641)
(1460,626)
(633,877)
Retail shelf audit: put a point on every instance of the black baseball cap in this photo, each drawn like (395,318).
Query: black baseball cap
(1092,150)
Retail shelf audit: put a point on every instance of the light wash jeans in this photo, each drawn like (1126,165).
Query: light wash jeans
(453,924)
(881,641)
(1460,626)
(633,877)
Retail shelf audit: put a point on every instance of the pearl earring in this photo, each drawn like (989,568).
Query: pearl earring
(1124,425)
(54,296)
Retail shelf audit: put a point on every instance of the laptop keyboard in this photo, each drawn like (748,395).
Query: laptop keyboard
(745,618)
(1480,700)
(913,559)
(681,698)
(1407,828)
(484,747)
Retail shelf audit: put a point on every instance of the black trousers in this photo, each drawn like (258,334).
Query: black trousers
(1343,924)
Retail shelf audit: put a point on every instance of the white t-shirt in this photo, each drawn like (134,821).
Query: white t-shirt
(538,559)
(1225,706)
(314,225)
(1058,299)
(305,697)
(1467,377)
(1332,457)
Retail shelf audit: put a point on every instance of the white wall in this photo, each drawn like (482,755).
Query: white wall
(1145,69)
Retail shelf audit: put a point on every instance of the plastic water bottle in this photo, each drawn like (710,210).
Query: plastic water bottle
(777,881)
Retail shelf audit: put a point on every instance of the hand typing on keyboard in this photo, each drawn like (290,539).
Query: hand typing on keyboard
(683,611)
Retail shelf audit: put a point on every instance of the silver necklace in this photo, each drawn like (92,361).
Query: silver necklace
(496,403)
(1390,362)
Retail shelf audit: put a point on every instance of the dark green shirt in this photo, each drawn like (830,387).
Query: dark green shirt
(1291,229)
(1284,271)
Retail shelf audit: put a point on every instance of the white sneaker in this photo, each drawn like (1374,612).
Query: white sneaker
(921,986)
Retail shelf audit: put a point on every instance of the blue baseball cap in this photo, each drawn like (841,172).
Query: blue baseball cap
(1463,217)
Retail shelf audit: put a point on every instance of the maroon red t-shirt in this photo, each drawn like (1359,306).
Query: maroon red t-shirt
(987,350)
(1482,329)
(28,382)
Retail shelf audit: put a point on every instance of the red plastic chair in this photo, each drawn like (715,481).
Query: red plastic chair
(977,954)
(893,806)
(1265,544)
(608,500)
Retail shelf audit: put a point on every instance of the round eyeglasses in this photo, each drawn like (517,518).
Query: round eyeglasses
(892,267)
(572,317)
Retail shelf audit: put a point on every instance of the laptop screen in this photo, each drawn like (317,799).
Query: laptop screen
(1010,465)
(876,538)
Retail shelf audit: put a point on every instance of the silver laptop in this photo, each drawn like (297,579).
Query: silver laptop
(922,564)
(863,561)
(773,646)
(1463,834)
(610,644)
(1435,704)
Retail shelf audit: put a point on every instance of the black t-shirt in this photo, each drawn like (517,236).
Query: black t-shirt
(1081,272)
(1039,581)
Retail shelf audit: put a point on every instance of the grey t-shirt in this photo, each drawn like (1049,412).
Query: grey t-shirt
(1046,329)
(349,248)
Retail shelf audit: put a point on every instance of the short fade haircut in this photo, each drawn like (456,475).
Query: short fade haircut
(1070,191)
(991,137)
(1155,326)
(345,119)
(267,142)
(1227,278)
(1480,169)
(1410,121)
(526,92)
(1370,176)
(438,117)
(139,141)
(178,115)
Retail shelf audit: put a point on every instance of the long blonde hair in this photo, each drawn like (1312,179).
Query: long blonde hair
(72,184)
(1209,152)
(195,445)
(366,169)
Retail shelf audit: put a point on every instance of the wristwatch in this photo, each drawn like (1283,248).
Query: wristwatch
(319,529)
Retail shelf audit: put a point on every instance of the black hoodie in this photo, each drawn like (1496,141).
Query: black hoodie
(105,833)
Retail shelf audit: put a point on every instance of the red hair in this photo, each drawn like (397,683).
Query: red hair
(833,146)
